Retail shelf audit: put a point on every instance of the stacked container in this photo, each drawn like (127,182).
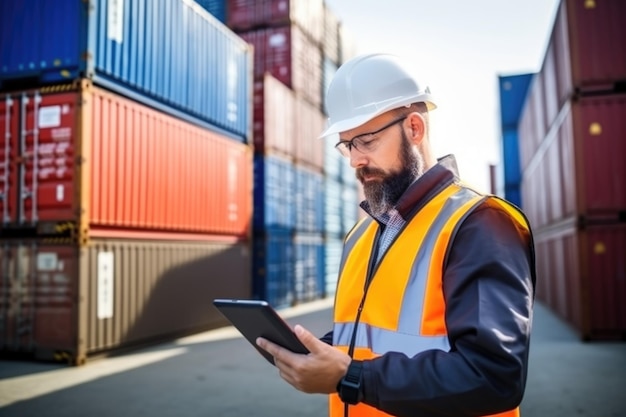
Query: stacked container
(572,147)
(297,48)
(125,174)
(513,90)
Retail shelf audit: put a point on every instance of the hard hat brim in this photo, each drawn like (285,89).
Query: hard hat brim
(354,122)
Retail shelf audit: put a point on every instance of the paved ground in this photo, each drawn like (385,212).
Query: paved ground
(218,374)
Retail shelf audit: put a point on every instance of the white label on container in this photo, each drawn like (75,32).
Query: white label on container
(105,285)
(60,192)
(47,261)
(115,29)
(49,116)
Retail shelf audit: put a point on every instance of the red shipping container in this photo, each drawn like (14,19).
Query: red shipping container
(289,56)
(99,160)
(249,14)
(68,302)
(579,169)
(274,117)
(581,275)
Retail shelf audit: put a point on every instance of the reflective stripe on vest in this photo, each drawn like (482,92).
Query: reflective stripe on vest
(405,309)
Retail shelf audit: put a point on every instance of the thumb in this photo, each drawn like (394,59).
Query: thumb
(307,338)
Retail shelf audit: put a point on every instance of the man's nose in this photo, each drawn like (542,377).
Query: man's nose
(357,159)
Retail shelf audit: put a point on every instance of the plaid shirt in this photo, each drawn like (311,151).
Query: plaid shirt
(393,223)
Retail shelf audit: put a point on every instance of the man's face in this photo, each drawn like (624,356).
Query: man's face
(387,171)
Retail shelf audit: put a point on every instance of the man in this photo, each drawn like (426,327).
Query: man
(434,300)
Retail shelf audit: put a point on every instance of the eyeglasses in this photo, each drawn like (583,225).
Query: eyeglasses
(364,143)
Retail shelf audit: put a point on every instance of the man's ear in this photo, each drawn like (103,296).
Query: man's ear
(418,127)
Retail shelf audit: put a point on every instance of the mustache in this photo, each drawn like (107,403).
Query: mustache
(368,171)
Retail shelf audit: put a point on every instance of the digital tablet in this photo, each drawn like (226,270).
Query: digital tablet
(256,318)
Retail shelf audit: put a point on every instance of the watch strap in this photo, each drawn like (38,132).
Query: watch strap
(349,388)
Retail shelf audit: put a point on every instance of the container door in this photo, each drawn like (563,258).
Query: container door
(45,165)
(8,129)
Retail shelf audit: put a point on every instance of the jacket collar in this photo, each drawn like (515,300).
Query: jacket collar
(425,187)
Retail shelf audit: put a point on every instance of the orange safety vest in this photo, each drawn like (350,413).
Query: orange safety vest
(405,308)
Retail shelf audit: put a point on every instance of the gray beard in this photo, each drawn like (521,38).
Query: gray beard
(384,195)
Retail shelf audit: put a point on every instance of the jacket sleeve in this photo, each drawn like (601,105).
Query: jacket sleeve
(488,285)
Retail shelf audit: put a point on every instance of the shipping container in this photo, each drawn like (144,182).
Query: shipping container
(274,188)
(273,268)
(348,48)
(309,274)
(581,276)
(84,155)
(275,117)
(309,200)
(597,40)
(216,7)
(328,72)
(349,207)
(330,36)
(310,123)
(513,90)
(70,302)
(169,54)
(579,168)
(333,160)
(332,258)
(308,15)
(333,200)
(287,54)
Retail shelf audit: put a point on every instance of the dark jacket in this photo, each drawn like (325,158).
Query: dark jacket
(488,285)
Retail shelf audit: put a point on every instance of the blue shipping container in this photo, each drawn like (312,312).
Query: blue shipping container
(274,186)
(169,54)
(309,267)
(273,267)
(349,207)
(510,158)
(309,196)
(216,7)
(513,194)
(513,90)
(333,207)
(332,261)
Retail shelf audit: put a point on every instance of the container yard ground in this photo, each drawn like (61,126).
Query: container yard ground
(218,373)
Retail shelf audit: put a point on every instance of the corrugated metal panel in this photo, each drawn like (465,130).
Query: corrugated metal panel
(332,158)
(310,123)
(309,200)
(249,14)
(289,56)
(600,137)
(330,37)
(349,207)
(139,168)
(582,277)
(309,273)
(510,158)
(273,267)
(274,117)
(170,54)
(597,38)
(332,206)
(274,202)
(9,124)
(333,250)
(68,302)
(579,169)
(328,72)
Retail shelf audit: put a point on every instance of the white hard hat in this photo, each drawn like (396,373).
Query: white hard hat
(367,86)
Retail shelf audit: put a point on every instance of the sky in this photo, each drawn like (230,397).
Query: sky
(458,48)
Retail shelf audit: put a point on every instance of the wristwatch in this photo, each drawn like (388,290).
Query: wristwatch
(349,387)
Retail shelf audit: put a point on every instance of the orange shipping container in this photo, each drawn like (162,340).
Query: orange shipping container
(84,155)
